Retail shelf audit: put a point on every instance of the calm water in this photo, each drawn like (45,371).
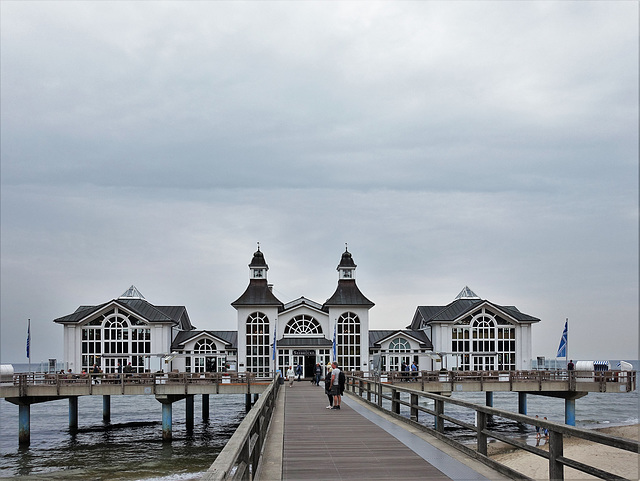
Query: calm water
(131,447)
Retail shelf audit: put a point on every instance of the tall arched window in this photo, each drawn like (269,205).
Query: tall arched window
(303,324)
(348,342)
(258,343)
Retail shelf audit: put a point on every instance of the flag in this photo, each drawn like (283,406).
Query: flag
(562,348)
(29,340)
(275,331)
(335,358)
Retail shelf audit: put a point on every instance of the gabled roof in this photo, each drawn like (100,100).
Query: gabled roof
(378,336)
(176,315)
(302,301)
(460,307)
(347,294)
(258,294)
(229,338)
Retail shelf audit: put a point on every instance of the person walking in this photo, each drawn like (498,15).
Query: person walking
(299,371)
(335,385)
(291,375)
(327,387)
(318,373)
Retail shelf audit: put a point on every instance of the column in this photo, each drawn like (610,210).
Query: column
(522,402)
(570,412)
(166,421)
(205,407)
(73,413)
(189,411)
(24,424)
(489,399)
(106,408)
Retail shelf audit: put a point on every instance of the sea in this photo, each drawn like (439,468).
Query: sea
(130,446)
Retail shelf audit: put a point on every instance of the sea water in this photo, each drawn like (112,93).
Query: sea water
(130,446)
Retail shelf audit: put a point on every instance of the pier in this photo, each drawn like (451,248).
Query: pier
(383,431)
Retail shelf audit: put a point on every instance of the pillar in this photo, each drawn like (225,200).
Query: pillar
(247,402)
(570,412)
(73,413)
(24,424)
(255,398)
(166,421)
(522,403)
(414,407)
(395,404)
(205,407)
(438,421)
(189,411)
(106,408)
(489,399)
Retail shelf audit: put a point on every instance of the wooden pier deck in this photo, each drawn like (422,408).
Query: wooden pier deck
(309,442)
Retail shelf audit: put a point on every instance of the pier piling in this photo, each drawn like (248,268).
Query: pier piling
(73,413)
(205,407)
(24,424)
(106,408)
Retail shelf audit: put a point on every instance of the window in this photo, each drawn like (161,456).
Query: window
(301,325)
(396,347)
(348,342)
(258,343)
(204,359)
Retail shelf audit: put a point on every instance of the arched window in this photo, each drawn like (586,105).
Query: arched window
(398,353)
(399,345)
(258,343)
(348,342)
(204,346)
(303,324)
(203,359)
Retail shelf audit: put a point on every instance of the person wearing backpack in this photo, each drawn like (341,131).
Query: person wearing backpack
(335,385)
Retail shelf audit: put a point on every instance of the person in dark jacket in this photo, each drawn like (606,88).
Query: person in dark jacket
(327,387)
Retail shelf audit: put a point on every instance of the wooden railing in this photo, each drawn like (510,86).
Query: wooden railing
(374,393)
(241,455)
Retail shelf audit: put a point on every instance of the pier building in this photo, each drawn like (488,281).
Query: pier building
(467,334)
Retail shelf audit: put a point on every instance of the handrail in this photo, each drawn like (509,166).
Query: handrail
(368,388)
(241,455)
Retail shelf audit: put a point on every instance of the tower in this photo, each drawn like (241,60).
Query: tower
(257,310)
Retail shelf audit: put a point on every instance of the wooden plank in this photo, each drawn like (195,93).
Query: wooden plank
(323,444)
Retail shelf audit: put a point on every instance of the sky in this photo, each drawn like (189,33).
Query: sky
(484,144)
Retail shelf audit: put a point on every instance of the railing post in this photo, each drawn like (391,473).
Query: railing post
(481,425)
(395,398)
(439,409)
(379,396)
(556,469)
(414,407)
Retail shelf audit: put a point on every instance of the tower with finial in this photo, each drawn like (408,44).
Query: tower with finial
(257,312)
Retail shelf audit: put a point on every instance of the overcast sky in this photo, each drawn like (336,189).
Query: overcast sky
(488,144)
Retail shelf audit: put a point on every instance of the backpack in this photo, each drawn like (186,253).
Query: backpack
(341,380)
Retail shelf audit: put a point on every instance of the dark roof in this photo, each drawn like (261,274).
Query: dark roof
(346,260)
(174,314)
(375,336)
(258,294)
(458,308)
(347,294)
(258,260)
(229,337)
(309,341)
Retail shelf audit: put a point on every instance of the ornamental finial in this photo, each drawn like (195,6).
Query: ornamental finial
(346,247)
(258,246)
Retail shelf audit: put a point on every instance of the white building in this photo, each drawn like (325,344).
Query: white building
(467,334)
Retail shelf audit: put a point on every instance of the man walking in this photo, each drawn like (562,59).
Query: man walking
(335,385)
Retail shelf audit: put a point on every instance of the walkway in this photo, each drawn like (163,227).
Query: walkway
(354,443)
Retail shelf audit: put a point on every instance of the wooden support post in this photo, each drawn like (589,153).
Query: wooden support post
(438,421)
(247,402)
(489,399)
(522,403)
(414,407)
(166,421)
(24,424)
(189,411)
(369,391)
(395,405)
(73,413)
(481,425)
(205,407)
(556,469)
(106,408)
(379,394)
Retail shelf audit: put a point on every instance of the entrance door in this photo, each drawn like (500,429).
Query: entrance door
(484,363)
(309,366)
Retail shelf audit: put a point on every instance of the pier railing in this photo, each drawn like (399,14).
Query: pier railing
(374,393)
(241,455)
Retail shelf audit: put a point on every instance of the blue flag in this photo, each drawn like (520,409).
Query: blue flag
(29,340)
(275,331)
(562,349)
(334,343)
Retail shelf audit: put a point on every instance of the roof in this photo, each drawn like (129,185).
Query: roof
(304,341)
(258,294)
(458,308)
(302,301)
(176,315)
(376,336)
(348,294)
(230,338)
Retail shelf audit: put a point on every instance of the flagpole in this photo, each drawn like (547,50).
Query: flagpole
(566,357)
(29,343)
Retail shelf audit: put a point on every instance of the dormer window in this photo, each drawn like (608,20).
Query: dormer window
(346,273)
